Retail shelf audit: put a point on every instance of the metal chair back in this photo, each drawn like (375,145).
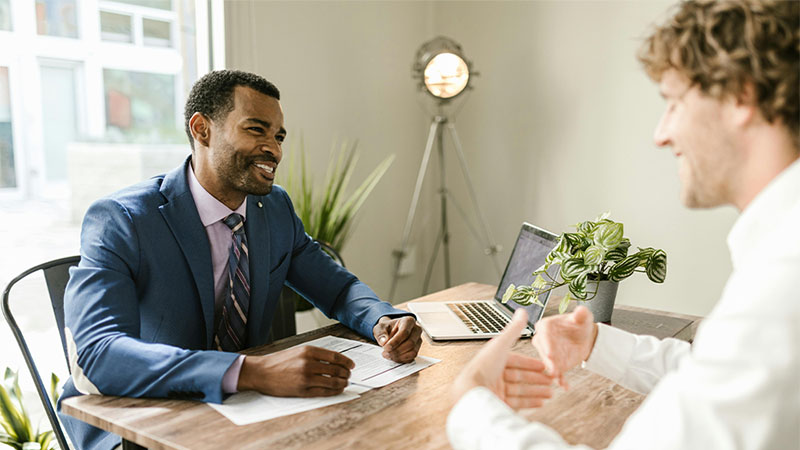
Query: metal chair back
(56,275)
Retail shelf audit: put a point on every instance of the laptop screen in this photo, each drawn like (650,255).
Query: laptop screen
(529,253)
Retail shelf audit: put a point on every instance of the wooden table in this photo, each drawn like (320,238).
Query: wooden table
(408,413)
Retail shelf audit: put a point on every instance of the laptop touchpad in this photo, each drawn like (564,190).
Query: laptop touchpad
(443,322)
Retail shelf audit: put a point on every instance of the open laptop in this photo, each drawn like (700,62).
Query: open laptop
(482,319)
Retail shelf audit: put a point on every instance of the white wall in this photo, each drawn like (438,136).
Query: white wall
(557,129)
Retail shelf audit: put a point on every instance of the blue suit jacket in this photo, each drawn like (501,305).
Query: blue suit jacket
(139,308)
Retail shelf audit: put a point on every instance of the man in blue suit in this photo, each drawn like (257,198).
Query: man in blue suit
(169,288)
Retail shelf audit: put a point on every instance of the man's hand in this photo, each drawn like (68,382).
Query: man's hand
(516,379)
(400,338)
(297,372)
(564,341)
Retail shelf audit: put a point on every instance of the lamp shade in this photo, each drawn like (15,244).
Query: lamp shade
(441,68)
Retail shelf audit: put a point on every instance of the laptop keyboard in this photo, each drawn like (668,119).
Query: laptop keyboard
(479,317)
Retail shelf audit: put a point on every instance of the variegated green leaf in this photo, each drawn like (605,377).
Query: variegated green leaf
(624,268)
(644,255)
(558,258)
(508,293)
(521,295)
(608,235)
(586,228)
(577,287)
(539,283)
(574,240)
(564,303)
(563,244)
(594,255)
(620,251)
(572,268)
(603,217)
(656,268)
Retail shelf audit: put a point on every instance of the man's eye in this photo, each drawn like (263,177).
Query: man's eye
(256,129)
(280,138)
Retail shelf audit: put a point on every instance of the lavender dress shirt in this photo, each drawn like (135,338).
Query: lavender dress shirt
(212,212)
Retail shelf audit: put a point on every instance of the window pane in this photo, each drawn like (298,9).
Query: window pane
(160,4)
(140,107)
(57,18)
(5,15)
(115,27)
(156,33)
(8,177)
(60,125)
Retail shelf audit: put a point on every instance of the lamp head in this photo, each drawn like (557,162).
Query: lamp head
(441,68)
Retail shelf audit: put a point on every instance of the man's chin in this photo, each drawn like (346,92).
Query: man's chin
(692,200)
(260,189)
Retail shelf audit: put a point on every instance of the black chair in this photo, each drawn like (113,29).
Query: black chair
(283,324)
(56,275)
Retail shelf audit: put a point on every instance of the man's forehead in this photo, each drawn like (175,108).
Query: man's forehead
(251,102)
(673,83)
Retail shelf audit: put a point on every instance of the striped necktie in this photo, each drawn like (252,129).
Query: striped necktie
(231,335)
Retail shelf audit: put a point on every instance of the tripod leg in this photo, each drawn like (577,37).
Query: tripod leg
(412,211)
(492,248)
(431,261)
(443,192)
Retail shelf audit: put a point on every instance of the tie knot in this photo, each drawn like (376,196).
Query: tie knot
(235,222)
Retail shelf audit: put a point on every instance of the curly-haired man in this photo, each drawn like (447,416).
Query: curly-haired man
(728,71)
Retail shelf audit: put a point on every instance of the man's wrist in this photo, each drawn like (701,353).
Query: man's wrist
(230,380)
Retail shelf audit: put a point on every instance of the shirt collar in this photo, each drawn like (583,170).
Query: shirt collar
(764,212)
(210,209)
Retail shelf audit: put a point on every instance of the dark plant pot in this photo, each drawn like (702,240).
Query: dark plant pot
(602,305)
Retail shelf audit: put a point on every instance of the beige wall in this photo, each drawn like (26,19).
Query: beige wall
(557,129)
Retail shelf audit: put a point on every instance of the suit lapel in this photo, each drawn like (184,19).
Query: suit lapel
(256,227)
(180,213)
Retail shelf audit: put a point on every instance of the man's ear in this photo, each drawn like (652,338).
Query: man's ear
(745,105)
(200,126)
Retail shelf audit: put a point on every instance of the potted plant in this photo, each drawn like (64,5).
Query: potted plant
(17,430)
(591,262)
(328,214)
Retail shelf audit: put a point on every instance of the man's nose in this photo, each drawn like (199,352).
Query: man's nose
(273,148)
(661,133)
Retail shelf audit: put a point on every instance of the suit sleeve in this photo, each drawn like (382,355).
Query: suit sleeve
(332,288)
(102,322)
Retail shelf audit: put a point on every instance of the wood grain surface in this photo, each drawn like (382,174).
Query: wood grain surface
(409,413)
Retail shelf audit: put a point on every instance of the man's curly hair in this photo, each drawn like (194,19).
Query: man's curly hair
(721,46)
(212,95)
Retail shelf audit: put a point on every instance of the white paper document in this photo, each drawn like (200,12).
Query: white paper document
(249,407)
(372,370)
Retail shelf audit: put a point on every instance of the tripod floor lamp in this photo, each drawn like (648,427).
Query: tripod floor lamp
(443,73)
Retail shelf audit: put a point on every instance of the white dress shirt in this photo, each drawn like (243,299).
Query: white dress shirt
(736,387)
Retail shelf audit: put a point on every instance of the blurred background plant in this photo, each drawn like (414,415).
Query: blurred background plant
(18,431)
(327,210)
